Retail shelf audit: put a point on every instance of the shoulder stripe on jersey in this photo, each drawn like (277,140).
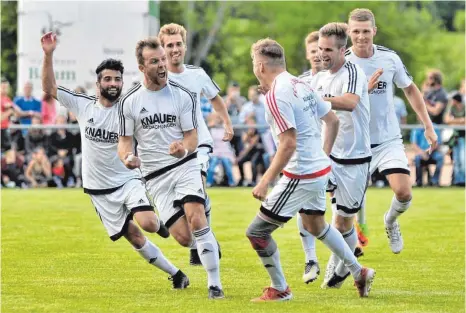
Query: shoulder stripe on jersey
(305,74)
(215,84)
(191,66)
(272,104)
(76,94)
(347,52)
(120,108)
(382,48)
(407,73)
(353,76)
(192,99)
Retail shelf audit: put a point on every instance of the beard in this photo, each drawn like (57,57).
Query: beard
(104,93)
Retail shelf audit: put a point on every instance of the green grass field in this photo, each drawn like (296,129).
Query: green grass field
(56,257)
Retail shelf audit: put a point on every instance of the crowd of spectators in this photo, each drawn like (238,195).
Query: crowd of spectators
(38,157)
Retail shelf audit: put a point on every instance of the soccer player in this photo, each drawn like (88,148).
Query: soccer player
(388,154)
(162,117)
(173,39)
(311,266)
(344,85)
(117,193)
(294,112)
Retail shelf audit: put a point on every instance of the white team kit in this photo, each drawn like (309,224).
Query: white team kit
(388,155)
(156,119)
(116,192)
(351,153)
(196,80)
(291,103)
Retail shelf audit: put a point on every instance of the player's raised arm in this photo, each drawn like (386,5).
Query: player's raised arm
(49,43)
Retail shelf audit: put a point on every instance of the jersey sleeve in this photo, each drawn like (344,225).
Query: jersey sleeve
(209,88)
(323,107)
(402,78)
(353,80)
(126,118)
(71,100)
(281,111)
(188,116)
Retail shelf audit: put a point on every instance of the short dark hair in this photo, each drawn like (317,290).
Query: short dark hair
(109,64)
(151,43)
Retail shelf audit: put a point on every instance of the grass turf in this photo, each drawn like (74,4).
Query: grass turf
(56,257)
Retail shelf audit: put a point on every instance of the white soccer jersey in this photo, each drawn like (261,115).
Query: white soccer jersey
(196,80)
(307,77)
(156,119)
(353,141)
(102,169)
(383,123)
(291,103)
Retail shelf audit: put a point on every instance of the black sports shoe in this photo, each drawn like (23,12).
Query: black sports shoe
(180,280)
(358,252)
(163,231)
(336,281)
(194,259)
(216,293)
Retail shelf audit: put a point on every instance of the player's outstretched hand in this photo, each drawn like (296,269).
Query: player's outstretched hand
(177,149)
(260,191)
(374,80)
(228,132)
(431,138)
(49,42)
(132,161)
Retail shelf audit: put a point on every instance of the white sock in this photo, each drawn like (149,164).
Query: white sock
(208,253)
(154,256)
(362,212)
(332,238)
(351,239)
(193,245)
(308,241)
(208,209)
(273,266)
(396,209)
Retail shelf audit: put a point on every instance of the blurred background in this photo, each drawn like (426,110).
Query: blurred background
(40,140)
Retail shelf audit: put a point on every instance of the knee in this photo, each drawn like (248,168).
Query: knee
(149,225)
(184,239)
(403,194)
(343,224)
(197,219)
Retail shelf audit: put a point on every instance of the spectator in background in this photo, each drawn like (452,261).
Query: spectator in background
(400,109)
(206,107)
(222,153)
(12,170)
(435,96)
(76,150)
(39,172)
(18,142)
(36,137)
(253,152)
(455,115)
(49,110)
(28,103)
(423,158)
(60,148)
(81,89)
(254,108)
(234,102)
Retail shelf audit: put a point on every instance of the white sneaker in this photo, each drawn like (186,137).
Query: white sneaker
(331,266)
(311,272)
(394,236)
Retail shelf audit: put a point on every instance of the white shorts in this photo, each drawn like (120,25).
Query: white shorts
(203,155)
(171,190)
(116,209)
(290,196)
(390,158)
(352,182)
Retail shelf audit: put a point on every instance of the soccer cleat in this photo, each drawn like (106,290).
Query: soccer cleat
(194,259)
(394,236)
(163,231)
(358,252)
(331,266)
(216,293)
(364,284)
(311,272)
(180,280)
(272,294)
(335,281)
(363,234)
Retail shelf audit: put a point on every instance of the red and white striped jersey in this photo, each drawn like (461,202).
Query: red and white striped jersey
(291,103)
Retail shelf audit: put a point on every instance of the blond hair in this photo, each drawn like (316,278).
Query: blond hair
(151,43)
(172,29)
(270,49)
(339,30)
(311,37)
(362,15)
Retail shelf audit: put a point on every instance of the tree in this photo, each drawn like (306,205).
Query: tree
(8,42)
